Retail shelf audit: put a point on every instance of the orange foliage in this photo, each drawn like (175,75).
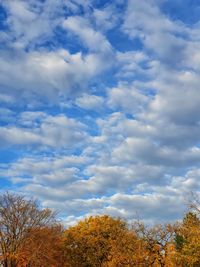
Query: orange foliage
(31,237)
(102,241)
(43,248)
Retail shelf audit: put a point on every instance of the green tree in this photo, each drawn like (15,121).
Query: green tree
(187,241)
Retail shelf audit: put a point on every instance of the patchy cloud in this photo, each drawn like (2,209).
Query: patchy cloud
(51,131)
(100,106)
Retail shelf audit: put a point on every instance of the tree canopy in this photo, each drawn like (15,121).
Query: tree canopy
(30,236)
(25,231)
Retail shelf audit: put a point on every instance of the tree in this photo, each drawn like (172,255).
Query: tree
(21,221)
(43,248)
(187,241)
(158,242)
(102,241)
(194,203)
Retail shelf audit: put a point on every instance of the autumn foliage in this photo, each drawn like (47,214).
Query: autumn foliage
(29,236)
(32,237)
(103,241)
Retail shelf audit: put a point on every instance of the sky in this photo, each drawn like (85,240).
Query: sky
(100,105)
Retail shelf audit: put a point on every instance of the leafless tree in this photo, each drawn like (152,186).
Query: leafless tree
(194,203)
(158,240)
(18,219)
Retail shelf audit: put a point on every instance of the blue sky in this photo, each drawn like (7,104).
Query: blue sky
(100,105)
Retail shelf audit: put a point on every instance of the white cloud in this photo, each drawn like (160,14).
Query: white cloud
(139,154)
(139,149)
(42,165)
(32,22)
(145,16)
(146,205)
(127,98)
(172,103)
(132,64)
(57,132)
(46,76)
(94,40)
(106,18)
(87,101)
(157,31)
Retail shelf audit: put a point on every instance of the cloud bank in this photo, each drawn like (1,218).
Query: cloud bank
(100,106)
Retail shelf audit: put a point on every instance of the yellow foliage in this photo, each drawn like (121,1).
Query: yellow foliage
(188,242)
(103,241)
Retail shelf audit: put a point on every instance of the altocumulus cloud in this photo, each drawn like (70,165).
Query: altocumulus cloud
(100,105)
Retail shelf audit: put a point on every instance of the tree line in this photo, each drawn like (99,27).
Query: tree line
(32,237)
